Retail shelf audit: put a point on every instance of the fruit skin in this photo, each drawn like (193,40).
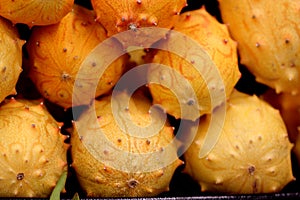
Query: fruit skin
(296,149)
(35,12)
(55,66)
(272,58)
(10,58)
(252,154)
(214,38)
(124,15)
(289,107)
(33,152)
(99,178)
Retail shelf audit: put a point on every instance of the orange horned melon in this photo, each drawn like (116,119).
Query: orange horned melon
(123,15)
(57,53)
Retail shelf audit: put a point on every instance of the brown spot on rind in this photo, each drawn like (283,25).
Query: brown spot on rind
(105,152)
(3,69)
(254,186)
(65,76)
(287,41)
(20,176)
(132,183)
(251,170)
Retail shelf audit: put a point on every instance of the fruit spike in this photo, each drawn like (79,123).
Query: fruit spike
(123,15)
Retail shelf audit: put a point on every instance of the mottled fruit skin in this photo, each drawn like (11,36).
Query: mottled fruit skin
(252,154)
(214,39)
(55,66)
(10,58)
(123,15)
(126,176)
(33,153)
(268,43)
(35,12)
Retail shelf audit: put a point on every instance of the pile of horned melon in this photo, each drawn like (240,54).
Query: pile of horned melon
(137,98)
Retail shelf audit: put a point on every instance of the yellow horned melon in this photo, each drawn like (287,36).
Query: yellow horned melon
(33,153)
(221,55)
(268,39)
(252,154)
(10,58)
(120,161)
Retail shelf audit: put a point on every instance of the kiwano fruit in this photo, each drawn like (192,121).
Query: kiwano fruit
(57,54)
(268,39)
(252,154)
(219,53)
(33,153)
(114,158)
(10,58)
